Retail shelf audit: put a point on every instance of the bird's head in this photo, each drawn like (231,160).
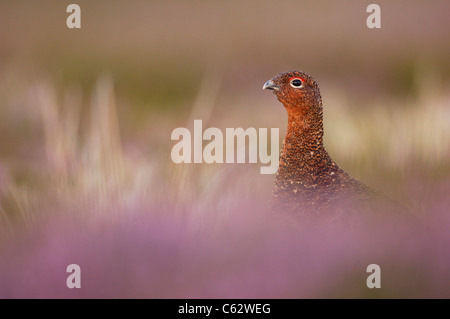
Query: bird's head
(298,92)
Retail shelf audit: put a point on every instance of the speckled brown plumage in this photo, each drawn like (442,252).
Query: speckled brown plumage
(308,180)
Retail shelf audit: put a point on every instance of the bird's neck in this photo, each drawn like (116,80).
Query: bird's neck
(304,134)
(303,145)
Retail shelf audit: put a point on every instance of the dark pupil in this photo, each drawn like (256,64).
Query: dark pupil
(296,83)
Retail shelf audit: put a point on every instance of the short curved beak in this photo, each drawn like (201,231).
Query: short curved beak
(270,85)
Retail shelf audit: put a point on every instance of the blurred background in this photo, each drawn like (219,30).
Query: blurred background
(86,117)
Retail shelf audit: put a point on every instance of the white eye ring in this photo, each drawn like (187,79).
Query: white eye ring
(298,83)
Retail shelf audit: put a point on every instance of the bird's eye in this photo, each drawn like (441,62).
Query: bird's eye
(296,83)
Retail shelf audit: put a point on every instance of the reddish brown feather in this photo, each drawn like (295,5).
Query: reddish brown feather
(308,181)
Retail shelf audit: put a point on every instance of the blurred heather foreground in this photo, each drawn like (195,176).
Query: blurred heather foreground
(86,175)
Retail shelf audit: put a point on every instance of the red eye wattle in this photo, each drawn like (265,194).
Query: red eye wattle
(296,77)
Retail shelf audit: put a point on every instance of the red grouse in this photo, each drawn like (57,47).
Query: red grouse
(308,181)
